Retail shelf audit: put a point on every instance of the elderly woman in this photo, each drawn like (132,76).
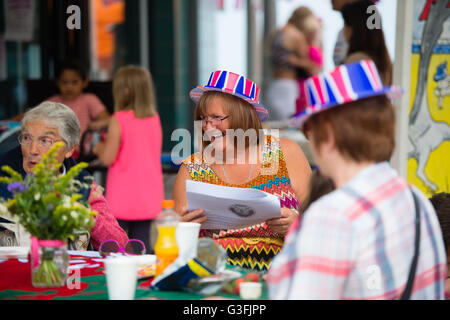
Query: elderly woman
(43,126)
(230,101)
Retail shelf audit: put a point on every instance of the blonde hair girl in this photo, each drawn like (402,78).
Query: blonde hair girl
(132,150)
(133,89)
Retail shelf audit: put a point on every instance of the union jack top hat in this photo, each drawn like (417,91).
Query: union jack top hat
(234,84)
(346,83)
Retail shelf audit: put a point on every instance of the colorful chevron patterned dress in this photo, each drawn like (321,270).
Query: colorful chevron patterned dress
(255,246)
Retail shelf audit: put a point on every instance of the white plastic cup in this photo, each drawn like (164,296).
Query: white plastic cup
(187,239)
(121,277)
(250,290)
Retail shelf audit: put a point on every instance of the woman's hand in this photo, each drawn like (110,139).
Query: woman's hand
(281,225)
(192,216)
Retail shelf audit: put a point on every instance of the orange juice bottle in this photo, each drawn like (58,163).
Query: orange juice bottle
(166,248)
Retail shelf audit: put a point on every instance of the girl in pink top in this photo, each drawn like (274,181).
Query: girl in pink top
(71,79)
(132,150)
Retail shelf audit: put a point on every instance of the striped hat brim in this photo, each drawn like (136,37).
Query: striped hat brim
(262,112)
(299,119)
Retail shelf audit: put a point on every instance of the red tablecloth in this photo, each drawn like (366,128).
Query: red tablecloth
(85,277)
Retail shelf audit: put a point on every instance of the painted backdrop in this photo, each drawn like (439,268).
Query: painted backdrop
(429,123)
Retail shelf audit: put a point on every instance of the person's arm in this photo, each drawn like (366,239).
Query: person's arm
(179,196)
(107,151)
(101,121)
(98,113)
(299,174)
(297,166)
(316,259)
(106,226)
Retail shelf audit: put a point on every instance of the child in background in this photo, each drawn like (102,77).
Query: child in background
(441,203)
(132,150)
(71,79)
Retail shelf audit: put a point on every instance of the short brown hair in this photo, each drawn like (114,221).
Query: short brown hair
(441,204)
(364,130)
(133,89)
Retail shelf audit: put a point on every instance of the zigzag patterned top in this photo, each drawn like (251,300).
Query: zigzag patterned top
(255,246)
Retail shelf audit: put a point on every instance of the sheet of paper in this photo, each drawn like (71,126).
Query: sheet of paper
(231,208)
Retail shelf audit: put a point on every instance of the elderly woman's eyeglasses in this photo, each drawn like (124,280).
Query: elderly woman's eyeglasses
(215,121)
(42,142)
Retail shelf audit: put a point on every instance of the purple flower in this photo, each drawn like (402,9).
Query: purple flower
(15,187)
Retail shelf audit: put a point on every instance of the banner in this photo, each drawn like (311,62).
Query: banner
(19,19)
(429,122)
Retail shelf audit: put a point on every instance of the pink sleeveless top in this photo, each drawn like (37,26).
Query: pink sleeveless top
(134,186)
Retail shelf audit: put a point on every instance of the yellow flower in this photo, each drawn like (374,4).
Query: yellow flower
(3,209)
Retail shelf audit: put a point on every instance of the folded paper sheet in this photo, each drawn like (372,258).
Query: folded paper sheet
(231,208)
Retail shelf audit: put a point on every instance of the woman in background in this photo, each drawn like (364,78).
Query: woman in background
(365,43)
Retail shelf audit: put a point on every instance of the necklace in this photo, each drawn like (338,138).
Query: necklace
(249,174)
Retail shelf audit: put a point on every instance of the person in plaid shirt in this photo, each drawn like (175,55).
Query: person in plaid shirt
(358,241)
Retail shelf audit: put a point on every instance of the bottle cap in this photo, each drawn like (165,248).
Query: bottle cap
(168,204)
(167,216)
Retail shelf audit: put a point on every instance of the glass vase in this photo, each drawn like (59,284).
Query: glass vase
(49,265)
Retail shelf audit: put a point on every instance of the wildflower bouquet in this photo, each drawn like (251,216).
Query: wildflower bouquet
(49,206)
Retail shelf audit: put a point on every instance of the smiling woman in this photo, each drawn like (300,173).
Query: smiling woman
(228,108)
(41,128)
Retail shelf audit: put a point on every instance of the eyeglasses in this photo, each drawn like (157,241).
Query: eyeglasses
(42,142)
(215,121)
(132,247)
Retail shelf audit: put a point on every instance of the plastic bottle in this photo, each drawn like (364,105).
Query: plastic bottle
(166,249)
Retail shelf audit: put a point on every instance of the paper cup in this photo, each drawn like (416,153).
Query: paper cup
(187,239)
(121,277)
(250,290)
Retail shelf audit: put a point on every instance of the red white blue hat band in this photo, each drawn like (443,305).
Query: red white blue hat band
(234,84)
(344,84)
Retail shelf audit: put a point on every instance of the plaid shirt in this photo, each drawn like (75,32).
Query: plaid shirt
(358,242)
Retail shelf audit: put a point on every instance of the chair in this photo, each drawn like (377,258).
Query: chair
(88,140)
(9,139)
(7,236)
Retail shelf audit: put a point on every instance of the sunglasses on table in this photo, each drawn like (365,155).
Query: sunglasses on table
(132,247)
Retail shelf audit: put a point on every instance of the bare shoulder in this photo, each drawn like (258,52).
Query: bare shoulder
(294,157)
(290,147)
(357,56)
(297,166)
(183,173)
